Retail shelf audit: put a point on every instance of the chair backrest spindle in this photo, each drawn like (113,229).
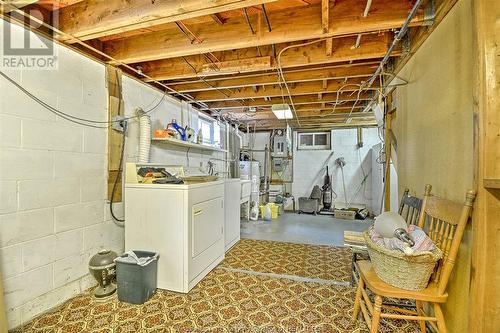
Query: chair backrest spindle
(409,207)
(445,221)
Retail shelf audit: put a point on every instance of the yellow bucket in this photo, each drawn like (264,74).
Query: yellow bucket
(274,210)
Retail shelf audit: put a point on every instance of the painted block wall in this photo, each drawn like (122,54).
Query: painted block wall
(136,94)
(310,166)
(53,179)
(53,212)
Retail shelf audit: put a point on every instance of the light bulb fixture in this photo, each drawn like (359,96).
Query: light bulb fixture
(282,111)
(389,225)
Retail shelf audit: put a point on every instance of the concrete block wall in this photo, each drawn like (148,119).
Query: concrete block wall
(53,175)
(53,179)
(137,95)
(309,166)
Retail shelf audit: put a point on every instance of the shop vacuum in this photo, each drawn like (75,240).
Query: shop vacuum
(327,192)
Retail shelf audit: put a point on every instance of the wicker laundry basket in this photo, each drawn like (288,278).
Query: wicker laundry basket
(410,272)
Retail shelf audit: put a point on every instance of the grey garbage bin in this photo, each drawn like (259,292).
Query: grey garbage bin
(136,281)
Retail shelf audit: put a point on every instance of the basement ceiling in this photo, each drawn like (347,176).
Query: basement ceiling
(226,54)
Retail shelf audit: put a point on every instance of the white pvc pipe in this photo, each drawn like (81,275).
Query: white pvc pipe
(144,136)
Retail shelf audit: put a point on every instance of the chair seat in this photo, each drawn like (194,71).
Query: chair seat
(379,287)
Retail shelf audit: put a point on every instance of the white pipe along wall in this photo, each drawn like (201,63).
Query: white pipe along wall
(144,136)
(54,213)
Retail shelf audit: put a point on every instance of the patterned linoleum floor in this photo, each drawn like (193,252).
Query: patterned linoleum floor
(308,261)
(225,301)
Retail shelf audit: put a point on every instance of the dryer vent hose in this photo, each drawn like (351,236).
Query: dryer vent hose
(144,136)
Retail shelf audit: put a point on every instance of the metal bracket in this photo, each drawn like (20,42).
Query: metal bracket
(119,124)
(405,46)
(390,65)
(429,13)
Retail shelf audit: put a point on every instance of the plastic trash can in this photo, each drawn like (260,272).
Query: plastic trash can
(136,276)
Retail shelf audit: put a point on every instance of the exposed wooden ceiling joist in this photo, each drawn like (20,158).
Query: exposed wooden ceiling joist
(8,6)
(94,19)
(325,15)
(57,4)
(325,115)
(307,70)
(305,107)
(375,46)
(275,91)
(297,100)
(316,74)
(288,26)
(264,125)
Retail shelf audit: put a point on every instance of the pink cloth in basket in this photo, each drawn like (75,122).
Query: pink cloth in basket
(422,242)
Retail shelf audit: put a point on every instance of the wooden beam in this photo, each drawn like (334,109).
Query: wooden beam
(309,72)
(306,88)
(255,64)
(422,33)
(57,4)
(306,107)
(318,114)
(374,47)
(95,19)
(114,79)
(297,100)
(325,15)
(272,78)
(387,164)
(217,18)
(387,14)
(484,301)
(329,108)
(340,123)
(329,46)
(7,6)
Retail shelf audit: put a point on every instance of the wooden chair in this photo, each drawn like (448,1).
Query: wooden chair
(409,207)
(444,221)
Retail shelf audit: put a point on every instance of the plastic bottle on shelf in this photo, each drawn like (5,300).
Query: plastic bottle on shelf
(254,213)
(267,213)
(199,138)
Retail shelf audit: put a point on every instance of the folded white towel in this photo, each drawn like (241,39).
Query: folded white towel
(422,242)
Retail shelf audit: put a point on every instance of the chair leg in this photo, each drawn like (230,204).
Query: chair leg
(357,301)
(440,318)
(377,309)
(420,311)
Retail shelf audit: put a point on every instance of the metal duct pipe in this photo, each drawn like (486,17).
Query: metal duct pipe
(396,40)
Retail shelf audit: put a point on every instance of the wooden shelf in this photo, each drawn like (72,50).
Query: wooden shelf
(186,144)
(491,182)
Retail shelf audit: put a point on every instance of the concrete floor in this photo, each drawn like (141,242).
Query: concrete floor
(303,228)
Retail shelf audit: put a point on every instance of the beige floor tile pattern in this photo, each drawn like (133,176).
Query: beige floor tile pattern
(308,261)
(223,302)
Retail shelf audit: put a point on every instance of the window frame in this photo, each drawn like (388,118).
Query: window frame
(210,122)
(315,146)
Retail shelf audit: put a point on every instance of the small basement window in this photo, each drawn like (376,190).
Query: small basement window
(314,140)
(207,130)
